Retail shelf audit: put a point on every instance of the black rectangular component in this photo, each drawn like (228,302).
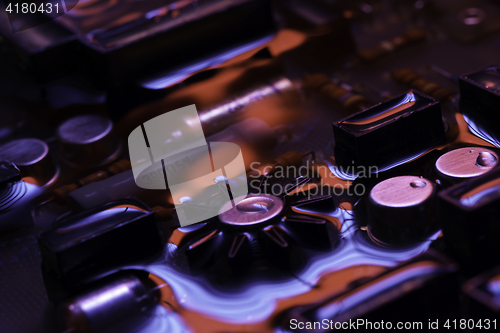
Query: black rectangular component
(480,98)
(46,51)
(388,132)
(470,222)
(121,42)
(91,243)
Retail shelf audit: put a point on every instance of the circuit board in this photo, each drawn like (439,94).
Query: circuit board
(368,138)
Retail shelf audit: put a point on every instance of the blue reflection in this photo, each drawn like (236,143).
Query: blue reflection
(258,300)
(482,198)
(163,320)
(480,132)
(167,79)
(381,108)
(15,205)
(335,308)
(339,172)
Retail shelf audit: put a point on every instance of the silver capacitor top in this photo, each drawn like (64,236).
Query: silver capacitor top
(467,162)
(32,158)
(88,141)
(251,209)
(401,210)
(403,191)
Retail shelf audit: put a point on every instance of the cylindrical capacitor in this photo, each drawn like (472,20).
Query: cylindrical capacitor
(32,158)
(88,141)
(402,210)
(120,304)
(464,163)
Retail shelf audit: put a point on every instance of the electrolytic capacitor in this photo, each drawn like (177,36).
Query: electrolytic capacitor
(123,302)
(32,158)
(88,141)
(402,210)
(413,80)
(464,163)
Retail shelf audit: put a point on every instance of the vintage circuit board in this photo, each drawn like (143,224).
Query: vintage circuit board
(369,138)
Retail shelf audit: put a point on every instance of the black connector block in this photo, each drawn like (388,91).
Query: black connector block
(389,132)
(89,245)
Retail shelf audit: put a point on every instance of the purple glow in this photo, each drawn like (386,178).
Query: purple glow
(170,78)
(480,133)
(342,174)
(258,300)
